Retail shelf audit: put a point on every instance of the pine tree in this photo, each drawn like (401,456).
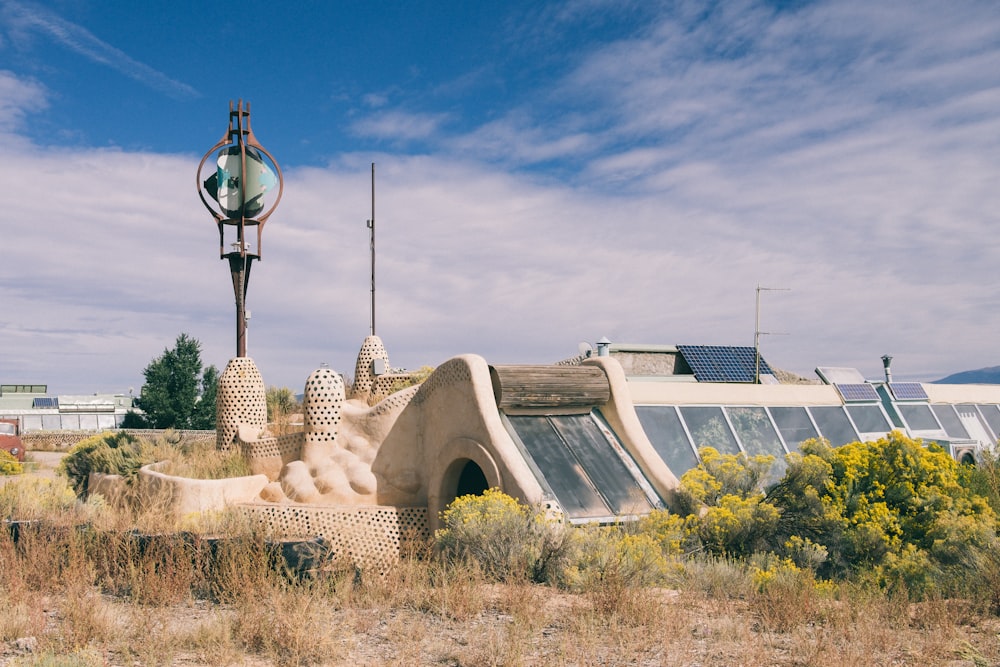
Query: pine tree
(178,393)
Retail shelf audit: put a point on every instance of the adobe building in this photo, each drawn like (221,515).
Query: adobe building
(601,437)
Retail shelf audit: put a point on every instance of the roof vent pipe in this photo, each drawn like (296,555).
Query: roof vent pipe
(886,362)
(603,347)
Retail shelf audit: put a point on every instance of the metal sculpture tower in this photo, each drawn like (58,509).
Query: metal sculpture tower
(245,175)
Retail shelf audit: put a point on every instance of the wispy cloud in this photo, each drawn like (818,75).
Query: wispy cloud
(399,125)
(845,150)
(18,97)
(27,18)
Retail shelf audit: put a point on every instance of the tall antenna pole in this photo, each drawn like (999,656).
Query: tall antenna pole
(757,333)
(371,226)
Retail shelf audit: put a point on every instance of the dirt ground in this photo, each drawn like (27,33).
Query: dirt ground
(38,464)
(546,628)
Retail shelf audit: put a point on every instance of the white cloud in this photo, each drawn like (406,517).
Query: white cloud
(691,163)
(399,125)
(18,97)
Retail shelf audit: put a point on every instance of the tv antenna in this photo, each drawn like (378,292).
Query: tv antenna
(371,226)
(757,333)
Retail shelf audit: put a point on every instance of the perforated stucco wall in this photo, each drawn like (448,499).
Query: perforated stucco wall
(371,349)
(371,537)
(267,456)
(322,401)
(241,399)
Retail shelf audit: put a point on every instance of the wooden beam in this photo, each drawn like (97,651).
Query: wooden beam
(523,386)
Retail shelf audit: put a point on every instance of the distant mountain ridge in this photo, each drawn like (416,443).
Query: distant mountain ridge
(989,375)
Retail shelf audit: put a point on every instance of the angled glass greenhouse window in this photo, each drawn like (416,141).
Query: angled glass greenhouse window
(949,420)
(869,419)
(666,434)
(918,417)
(991,413)
(562,471)
(794,425)
(603,463)
(708,428)
(754,429)
(584,470)
(974,423)
(833,424)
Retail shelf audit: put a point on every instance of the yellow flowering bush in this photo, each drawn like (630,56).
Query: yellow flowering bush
(721,475)
(667,529)
(9,465)
(738,526)
(35,497)
(612,555)
(505,537)
(727,513)
(893,511)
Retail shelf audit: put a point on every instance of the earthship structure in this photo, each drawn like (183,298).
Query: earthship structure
(600,437)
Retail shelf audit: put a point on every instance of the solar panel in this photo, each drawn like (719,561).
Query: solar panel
(840,375)
(908,391)
(854,393)
(45,402)
(723,363)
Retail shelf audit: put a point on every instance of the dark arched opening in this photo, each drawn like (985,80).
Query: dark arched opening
(967,459)
(471,481)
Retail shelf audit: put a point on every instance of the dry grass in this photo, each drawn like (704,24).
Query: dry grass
(109,595)
(422,613)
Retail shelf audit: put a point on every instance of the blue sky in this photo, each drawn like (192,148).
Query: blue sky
(547,173)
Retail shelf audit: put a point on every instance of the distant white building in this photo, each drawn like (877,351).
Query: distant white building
(35,410)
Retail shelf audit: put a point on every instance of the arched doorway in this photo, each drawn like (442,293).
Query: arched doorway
(471,480)
(467,468)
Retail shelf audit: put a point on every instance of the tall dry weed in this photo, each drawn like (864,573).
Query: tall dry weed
(290,625)
(149,635)
(160,569)
(784,595)
(238,568)
(213,640)
(717,578)
(22,617)
(85,618)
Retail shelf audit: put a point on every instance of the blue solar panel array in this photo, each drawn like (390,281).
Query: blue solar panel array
(854,393)
(908,391)
(723,363)
(45,402)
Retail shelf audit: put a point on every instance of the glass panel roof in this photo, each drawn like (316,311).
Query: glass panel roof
(840,375)
(973,422)
(834,424)
(580,465)
(602,464)
(794,425)
(666,434)
(561,470)
(918,417)
(708,428)
(991,413)
(868,419)
(949,420)
(754,429)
